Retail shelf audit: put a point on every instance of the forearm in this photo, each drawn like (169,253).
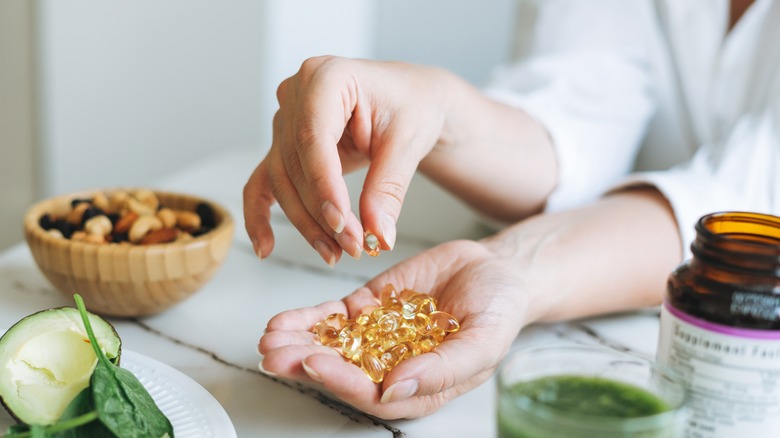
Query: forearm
(494,157)
(610,256)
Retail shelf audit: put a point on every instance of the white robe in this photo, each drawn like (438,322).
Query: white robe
(654,92)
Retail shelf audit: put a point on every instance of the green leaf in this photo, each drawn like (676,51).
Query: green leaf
(19,429)
(81,405)
(123,404)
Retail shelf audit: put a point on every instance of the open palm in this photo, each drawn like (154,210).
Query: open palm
(482,290)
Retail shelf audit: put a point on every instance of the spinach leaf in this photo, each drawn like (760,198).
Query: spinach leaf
(81,405)
(123,404)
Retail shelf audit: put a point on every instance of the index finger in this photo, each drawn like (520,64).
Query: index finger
(327,108)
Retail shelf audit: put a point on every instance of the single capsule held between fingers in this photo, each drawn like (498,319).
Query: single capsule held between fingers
(372,243)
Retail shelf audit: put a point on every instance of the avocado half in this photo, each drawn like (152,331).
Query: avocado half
(46,359)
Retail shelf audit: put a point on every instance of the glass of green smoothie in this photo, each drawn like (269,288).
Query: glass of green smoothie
(587,391)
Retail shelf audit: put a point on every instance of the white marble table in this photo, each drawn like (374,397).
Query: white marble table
(212,337)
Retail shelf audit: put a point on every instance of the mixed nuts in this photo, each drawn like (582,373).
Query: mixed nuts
(135,217)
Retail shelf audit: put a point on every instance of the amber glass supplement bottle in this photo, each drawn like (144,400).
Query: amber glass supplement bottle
(720,326)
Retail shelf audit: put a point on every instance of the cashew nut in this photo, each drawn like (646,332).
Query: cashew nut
(167,216)
(100,201)
(187,220)
(148,198)
(99,225)
(138,207)
(142,226)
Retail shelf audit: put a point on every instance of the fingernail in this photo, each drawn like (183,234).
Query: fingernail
(325,252)
(256,247)
(399,391)
(333,216)
(265,371)
(311,372)
(349,244)
(388,230)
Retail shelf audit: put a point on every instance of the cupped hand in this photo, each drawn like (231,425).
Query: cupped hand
(336,115)
(480,288)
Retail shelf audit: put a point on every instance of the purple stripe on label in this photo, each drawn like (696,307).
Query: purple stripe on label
(724,329)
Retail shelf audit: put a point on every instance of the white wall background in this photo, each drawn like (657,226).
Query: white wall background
(130,91)
(18,173)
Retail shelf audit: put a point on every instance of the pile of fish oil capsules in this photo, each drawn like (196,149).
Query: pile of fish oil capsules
(404,324)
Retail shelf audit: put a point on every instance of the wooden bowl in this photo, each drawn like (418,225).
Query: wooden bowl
(128,280)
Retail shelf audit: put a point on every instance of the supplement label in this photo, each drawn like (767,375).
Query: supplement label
(733,375)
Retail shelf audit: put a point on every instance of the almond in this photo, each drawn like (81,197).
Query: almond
(163,235)
(125,222)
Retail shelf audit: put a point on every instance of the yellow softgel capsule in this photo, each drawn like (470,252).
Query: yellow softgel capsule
(389,299)
(422,304)
(329,337)
(427,343)
(390,321)
(351,344)
(405,334)
(422,323)
(396,354)
(336,320)
(371,333)
(363,319)
(372,366)
(444,321)
(403,325)
(372,244)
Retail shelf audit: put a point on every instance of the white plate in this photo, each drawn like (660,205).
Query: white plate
(193,411)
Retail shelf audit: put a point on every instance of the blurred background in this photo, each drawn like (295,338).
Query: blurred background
(104,93)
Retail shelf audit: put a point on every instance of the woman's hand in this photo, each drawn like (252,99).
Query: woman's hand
(610,256)
(481,289)
(334,116)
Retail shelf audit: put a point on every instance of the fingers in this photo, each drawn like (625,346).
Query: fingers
(258,200)
(287,361)
(315,111)
(387,182)
(305,318)
(343,379)
(455,366)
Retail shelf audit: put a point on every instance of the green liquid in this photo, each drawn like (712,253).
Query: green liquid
(580,406)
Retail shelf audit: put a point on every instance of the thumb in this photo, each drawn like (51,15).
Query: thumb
(455,366)
(384,190)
